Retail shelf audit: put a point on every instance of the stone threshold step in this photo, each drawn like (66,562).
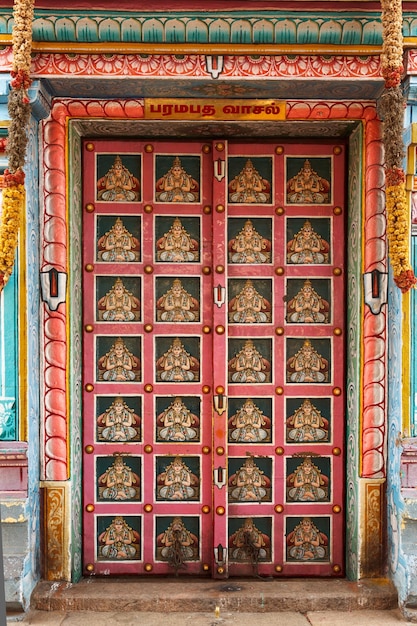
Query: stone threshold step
(196,595)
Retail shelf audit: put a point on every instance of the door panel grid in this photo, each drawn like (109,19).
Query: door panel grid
(213,358)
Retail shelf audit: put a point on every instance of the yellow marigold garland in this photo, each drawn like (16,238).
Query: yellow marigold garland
(392,106)
(13,197)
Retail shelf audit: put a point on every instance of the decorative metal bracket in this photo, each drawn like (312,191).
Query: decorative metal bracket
(219,295)
(219,169)
(376,290)
(220,477)
(53,288)
(214,65)
(220,555)
(220,404)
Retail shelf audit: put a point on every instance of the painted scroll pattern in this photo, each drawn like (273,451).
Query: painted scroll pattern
(55,254)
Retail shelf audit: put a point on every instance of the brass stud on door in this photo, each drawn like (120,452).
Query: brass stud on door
(90,207)
(89,567)
(89,387)
(89,146)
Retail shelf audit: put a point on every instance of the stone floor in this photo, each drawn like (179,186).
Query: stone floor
(196,602)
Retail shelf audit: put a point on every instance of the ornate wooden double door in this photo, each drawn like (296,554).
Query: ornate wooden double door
(213,357)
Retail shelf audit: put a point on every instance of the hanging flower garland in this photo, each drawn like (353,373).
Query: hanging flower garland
(392,107)
(13,200)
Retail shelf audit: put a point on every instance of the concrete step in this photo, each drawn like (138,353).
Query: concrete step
(174,595)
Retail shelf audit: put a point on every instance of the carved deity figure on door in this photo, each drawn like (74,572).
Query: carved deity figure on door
(119,541)
(177,423)
(177,482)
(306,542)
(118,185)
(249,306)
(248,187)
(249,544)
(307,247)
(308,187)
(248,246)
(118,423)
(119,304)
(248,484)
(306,483)
(249,424)
(177,365)
(307,307)
(119,482)
(177,305)
(119,364)
(176,185)
(307,366)
(177,544)
(249,366)
(118,245)
(177,245)
(307,424)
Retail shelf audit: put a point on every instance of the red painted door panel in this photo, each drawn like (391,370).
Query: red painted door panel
(213,358)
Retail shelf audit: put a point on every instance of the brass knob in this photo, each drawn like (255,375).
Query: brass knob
(89,508)
(148,388)
(148,449)
(89,567)
(279,391)
(149,147)
(336,391)
(205,509)
(89,146)
(148,208)
(205,389)
(220,510)
(279,450)
(220,390)
(207,210)
(89,328)
(279,508)
(220,329)
(280,210)
(279,271)
(219,269)
(148,508)
(337,210)
(148,269)
(220,450)
(89,449)
(148,567)
(89,387)
(89,207)
(220,208)
(89,267)
(148,328)
(337,271)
